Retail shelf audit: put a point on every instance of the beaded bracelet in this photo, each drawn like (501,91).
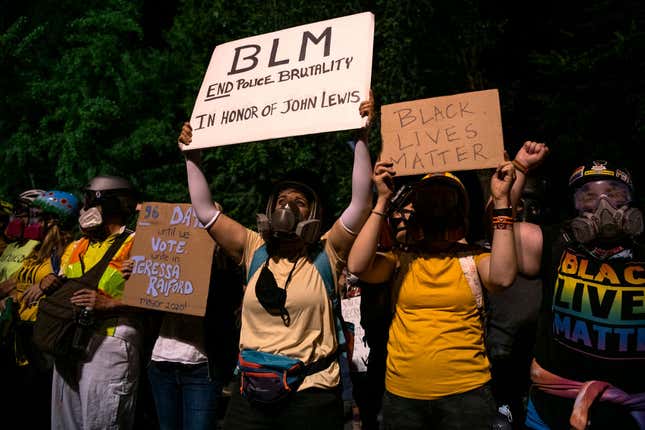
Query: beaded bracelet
(502,222)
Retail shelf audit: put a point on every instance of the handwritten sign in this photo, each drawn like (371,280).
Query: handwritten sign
(302,80)
(172,256)
(459,132)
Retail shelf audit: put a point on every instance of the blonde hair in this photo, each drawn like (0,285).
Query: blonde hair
(53,245)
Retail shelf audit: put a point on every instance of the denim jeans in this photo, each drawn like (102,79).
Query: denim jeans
(471,410)
(184,396)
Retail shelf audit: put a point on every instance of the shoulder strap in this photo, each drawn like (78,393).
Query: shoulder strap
(469,268)
(259,257)
(92,276)
(324,268)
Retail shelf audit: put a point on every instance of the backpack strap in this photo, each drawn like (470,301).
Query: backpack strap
(324,268)
(259,257)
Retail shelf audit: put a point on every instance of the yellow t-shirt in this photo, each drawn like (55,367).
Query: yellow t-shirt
(436,342)
(311,334)
(13,256)
(31,272)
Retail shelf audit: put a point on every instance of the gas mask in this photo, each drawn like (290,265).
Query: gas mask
(90,219)
(607,222)
(285,222)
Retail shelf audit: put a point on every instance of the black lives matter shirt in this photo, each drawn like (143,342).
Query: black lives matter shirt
(592,321)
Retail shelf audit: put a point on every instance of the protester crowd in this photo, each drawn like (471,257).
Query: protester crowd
(536,324)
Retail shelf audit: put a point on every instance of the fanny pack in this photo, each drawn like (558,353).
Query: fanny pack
(269,379)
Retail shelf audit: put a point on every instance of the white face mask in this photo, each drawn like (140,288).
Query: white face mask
(90,218)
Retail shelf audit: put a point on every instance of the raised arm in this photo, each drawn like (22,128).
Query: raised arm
(354,216)
(228,233)
(528,157)
(528,236)
(500,270)
(363,258)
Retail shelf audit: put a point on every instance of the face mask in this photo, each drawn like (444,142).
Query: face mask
(15,228)
(34,231)
(273,298)
(606,222)
(90,218)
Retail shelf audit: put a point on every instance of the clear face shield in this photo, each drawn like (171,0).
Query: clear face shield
(604,212)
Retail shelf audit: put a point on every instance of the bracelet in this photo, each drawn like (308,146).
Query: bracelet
(503,212)
(212,221)
(519,166)
(375,212)
(502,222)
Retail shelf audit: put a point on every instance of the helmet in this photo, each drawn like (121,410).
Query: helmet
(598,170)
(114,194)
(61,204)
(27,197)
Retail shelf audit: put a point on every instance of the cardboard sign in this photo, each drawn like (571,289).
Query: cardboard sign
(441,134)
(302,80)
(172,256)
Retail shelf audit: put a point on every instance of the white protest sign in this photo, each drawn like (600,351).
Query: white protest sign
(302,80)
(351,311)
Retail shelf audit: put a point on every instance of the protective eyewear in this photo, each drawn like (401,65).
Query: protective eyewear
(588,196)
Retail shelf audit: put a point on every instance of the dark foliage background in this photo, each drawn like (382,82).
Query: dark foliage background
(89,87)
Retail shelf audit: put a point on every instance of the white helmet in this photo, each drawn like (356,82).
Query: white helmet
(27,197)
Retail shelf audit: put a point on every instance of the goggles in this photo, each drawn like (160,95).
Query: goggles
(588,196)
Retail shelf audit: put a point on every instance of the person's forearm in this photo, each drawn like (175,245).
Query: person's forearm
(361,257)
(200,195)
(503,259)
(354,216)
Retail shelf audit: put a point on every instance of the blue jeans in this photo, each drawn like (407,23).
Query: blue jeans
(184,396)
(471,410)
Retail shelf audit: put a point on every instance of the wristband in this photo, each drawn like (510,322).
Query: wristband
(212,221)
(519,166)
(503,212)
